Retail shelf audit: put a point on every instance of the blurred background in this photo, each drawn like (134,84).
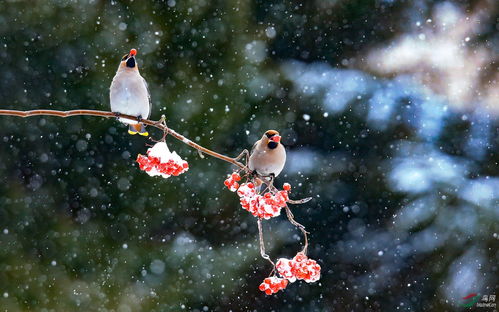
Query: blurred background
(389,111)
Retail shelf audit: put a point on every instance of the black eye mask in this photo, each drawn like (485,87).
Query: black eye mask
(131,62)
(272,144)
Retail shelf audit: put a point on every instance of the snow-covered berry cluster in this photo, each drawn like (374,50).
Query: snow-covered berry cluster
(300,267)
(263,206)
(160,161)
(231,181)
(273,284)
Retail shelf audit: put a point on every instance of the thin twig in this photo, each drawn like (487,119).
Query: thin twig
(289,214)
(262,243)
(272,188)
(299,201)
(291,219)
(244,153)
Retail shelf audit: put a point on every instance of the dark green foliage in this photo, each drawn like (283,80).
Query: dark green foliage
(83,229)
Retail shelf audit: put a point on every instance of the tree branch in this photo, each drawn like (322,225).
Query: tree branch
(157,124)
(167,130)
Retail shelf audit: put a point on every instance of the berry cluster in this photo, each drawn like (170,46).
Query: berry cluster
(266,205)
(273,284)
(263,206)
(300,267)
(160,161)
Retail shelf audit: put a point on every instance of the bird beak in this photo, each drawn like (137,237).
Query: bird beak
(276,138)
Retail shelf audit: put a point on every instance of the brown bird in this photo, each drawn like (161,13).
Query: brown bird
(129,94)
(268,156)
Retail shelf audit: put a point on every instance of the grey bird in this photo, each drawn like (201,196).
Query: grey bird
(129,94)
(268,156)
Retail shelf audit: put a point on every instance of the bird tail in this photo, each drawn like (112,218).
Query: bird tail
(138,128)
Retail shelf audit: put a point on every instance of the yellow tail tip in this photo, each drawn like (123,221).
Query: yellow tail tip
(143,133)
(132,132)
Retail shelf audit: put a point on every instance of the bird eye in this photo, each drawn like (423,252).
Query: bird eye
(269,135)
(124,57)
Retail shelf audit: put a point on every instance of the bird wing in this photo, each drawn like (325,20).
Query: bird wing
(254,146)
(148,95)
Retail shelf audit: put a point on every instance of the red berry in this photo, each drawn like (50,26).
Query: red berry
(236,176)
(273,284)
